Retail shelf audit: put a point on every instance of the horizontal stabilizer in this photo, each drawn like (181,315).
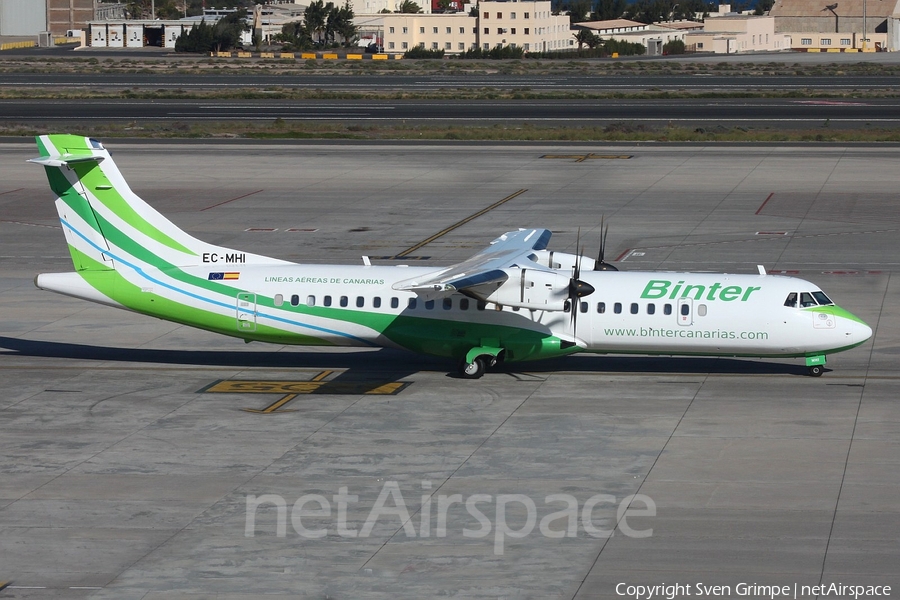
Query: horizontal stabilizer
(66,159)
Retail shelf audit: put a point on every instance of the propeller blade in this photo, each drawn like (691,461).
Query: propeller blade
(601,264)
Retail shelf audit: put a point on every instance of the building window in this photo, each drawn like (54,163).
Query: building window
(462,45)
(513,31)
(512,15)
(526,31)
(527,47)
(487,31)
(448,46)
(486,46)
(699,45)
(500,31)
(826,42)
(845,41)
(449,30)
(462,30)
(487,15)
(421,30)
(391,45)
(390,30)
(403,45)
(499,15)
(434,30)
(526,15)
(434,46)
(406,30)
(806,41)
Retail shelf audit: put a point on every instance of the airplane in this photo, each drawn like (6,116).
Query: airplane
(513,301)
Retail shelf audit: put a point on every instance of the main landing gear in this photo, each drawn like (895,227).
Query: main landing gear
(478,360)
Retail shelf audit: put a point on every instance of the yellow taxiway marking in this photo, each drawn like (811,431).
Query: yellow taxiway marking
(4,584)
(590,155)
(292,389)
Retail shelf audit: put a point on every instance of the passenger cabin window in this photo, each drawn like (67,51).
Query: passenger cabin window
(481,305)
(429,305)
(376,302)
(806,300)
(791,300)
(667,309)
(279,299)
(617,308)
(634,308)
(584,307)
(448,303)
(295,300)
(395,302)
(651,308)
(310,300)
(464,304)
(701,310)
(344,301)
(601,307)
(360,302)
(685,309)
(412,304)
(326,301)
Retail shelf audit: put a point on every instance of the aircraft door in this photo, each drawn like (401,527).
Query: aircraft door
(246,311)
(685,311)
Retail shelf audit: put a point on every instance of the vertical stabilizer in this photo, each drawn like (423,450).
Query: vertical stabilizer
(105,221)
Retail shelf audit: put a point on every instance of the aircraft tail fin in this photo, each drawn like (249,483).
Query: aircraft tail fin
(105,221)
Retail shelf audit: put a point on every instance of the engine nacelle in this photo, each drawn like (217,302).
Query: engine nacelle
(532,289)
(562,260)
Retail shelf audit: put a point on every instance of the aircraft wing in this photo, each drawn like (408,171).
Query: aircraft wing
(487,267)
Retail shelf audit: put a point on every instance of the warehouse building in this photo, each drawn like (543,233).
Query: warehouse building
(839,25)
(31,17)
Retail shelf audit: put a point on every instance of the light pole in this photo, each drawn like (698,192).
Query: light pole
(864,26)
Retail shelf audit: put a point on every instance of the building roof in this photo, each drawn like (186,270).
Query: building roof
(844,8)
(611,24)
(681,25)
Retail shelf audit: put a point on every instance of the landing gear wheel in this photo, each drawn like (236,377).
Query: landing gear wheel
(472,370)
(816,370)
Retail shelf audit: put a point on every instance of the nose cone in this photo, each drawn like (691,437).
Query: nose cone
(855,329)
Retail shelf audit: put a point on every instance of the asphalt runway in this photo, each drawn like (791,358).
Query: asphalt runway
(798,113)
(627,82)
(130,469)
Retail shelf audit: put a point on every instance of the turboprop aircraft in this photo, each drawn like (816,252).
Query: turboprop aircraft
(513,301)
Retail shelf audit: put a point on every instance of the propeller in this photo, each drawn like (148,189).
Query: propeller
(601,264)
(577,288)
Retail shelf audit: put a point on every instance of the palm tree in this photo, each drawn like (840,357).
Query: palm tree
(409,7)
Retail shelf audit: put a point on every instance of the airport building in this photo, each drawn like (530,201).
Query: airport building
(530,25)
(840,26)
(730,33)
(652,37)
(32,17)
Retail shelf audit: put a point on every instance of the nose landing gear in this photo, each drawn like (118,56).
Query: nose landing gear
(816,365)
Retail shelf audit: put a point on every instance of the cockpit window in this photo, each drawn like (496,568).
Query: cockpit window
(822,299)
(806,300)
(791,300)
(95,144)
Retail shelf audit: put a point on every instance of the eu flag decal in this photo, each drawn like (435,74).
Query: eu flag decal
(221,276)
